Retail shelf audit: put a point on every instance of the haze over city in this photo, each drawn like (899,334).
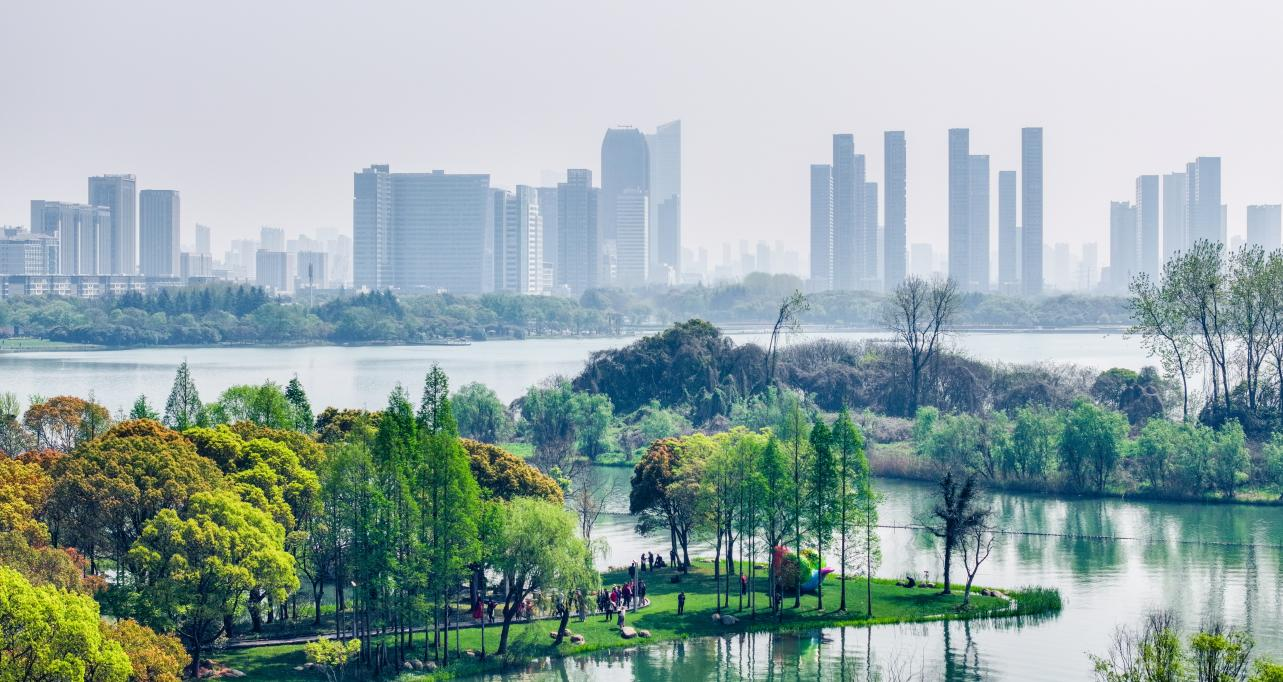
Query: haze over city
(524,91)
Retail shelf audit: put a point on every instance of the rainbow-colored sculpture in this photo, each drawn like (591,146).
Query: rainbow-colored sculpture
(788,566)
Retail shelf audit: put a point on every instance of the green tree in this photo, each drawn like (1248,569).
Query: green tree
(1092,443)
(480,414)
(822,491)
(550,417)
(954,515)
(777,495)
(50,634)
(141,410)
(539,551)
(191,569)
(183,408)
(857,502)
(332,655)
(593,414)
(1230,462)
(265,405)
(300,408)
(1035,438)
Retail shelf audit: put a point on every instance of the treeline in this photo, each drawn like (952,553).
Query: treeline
(179,527)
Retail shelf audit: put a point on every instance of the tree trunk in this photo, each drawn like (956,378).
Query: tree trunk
(948,554)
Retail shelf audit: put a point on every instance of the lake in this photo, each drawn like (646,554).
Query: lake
(1112,560)
(362,376)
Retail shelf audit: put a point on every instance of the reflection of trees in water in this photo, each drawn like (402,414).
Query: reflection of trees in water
(1085,524)
(961,659)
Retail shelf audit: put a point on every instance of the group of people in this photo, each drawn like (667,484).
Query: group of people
(651,561)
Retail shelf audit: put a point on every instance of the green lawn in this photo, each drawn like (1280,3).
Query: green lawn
(891,604)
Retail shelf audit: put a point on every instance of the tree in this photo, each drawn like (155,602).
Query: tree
(1158,320)
(593,414)
(480,414)
(538,550)
(1092,441)
(665,492)
(265,405)
(1199,285)
(590,493)
(184,407)
(300,408)
(64,422)
(1220,653)
(503,475)
(1230,462)
(549,416)
(822,490)
(332,655)
(776,496)
(1151,654)
(920,314)
(858,503)
(141,410)
(49,634)
(1035,439)
(153,657)
(191,569)
(975,546)
(956,514)
(786,320)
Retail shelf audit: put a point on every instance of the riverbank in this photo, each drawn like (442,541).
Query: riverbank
(527,642)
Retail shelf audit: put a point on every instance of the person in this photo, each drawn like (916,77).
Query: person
(743,585)
(672,557)
(609,610)
(643,561)
(632,571)
(628,595)
(681,602)
(490,606)
(477,612)
(621,617)
(641,592)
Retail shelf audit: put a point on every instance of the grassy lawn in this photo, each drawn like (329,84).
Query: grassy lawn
(891,604)
(28,344)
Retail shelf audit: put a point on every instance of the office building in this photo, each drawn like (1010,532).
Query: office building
(27,253)
(632,238)
(518,241)
(193,265)
(422,231)
(1031,214)
(1147,222)
(118,193)
(548,214)
(625,169)
(848,215)
(579,254)
(1175,204)
(665,151)
(203,240)
(960,207)
(1008,234)
(158,232)
(271,238)
(895,224)
(272,270)
(1265,226)
(1124,245)
(83,233)
(821,227)
(1204,183)
(978,221)
(870,251)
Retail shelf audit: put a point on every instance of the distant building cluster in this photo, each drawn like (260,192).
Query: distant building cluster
(439,231)
(122,239)
(852,248)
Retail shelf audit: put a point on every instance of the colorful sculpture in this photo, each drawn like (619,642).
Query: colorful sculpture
(788,566)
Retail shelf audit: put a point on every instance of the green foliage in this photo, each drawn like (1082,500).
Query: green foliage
(1092,444)
(1035,441)
(141,410)
(265,405)
(332,655)
(183,408)
(300,408)
(480,414)
(562,422)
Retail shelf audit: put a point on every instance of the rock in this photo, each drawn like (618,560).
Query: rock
(628,632)
(233,672)
(576,639)
(407,666)
(298,668)
(729,620)
(469,653)
(717,617)
(430,666)
(418,665)
(309,665)
(643,633)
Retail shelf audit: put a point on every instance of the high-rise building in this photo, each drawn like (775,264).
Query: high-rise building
(1175,203)
(422,231)
(83,233)
(665,149)
(960,206)
(578,242)
(271,238)
(195,265)
(272,269)
(894,188)
(203,241)
(311,270)
(1265,226)
(548,214)
(118,193)
(27,253)
(159,222)
(848,184)
(921,260)
(519,242)
(1205,200)
(632,238)
(1147,211)
(1031,214)
(1124,244)
(978,220)
(625,168)
(1008,234)
(821,226)
(869,246)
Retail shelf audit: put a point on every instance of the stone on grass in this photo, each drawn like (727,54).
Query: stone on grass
(643,633)
(576,639)
(729,620)
(407,666)
(628,632)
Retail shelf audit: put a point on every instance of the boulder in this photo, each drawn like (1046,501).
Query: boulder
(233,672)
(729,620)
(407,666)
(628,632)
(643,633)
(576,639)
(298,668)
(430,666)
(418,665)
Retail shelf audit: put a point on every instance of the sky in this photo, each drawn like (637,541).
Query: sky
(259,112)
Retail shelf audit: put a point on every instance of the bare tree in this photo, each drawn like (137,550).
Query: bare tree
(920,313)
(975,546)
(786,321)
(1162,328)
(590,493)
(956,515)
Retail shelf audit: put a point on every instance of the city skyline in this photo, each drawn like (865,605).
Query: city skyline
(280,146)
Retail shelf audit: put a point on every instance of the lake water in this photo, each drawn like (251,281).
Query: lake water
(1112,560)
(363,376)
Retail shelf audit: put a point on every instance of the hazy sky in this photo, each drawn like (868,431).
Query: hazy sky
(259,112)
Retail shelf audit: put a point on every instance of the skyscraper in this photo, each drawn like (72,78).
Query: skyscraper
(665,148)
(118,193)
(1265,226)
(978,220)
(1147,210)
(1175,203)
(1031,211)
(1008,233)
(577,232)
(519,246)
(625,168)
(895,229)
(821,226)
(83,233)
(632,238)
(869,252)
(548,214)
(203,244)
(1205,200)
(848,192)
(158,232)
(960,206)
(1124,245)
(271,238)
(422,231)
